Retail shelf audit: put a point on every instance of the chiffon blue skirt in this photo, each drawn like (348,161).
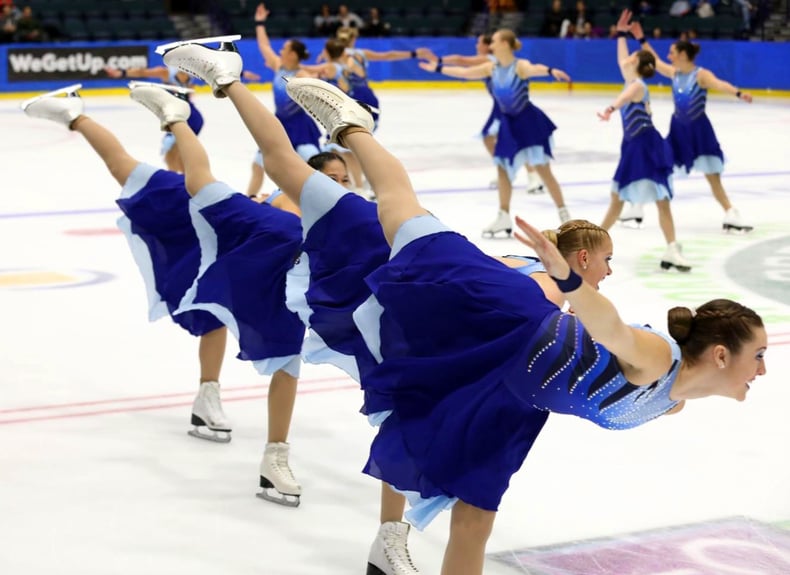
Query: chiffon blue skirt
(694,146)
(644,174)
(491,127)
(158,227)
(454,328)
(247,249)
(343,243)
(523,138)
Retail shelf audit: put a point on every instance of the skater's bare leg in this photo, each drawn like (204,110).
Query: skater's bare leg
(283,165)
(395,195)
(393,504)
(282,396)
(614,211)
(665,220)
(551,183)
(211,353)
(106,145)
(470,528)
(714,180)
(197,170)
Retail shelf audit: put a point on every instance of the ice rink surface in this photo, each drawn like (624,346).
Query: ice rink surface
(98,475)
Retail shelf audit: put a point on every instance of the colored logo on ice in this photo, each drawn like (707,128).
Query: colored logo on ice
(36,278)
(729,547)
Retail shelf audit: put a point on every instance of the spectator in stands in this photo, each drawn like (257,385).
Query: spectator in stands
(644,7)
(7,23)
(581,17)
(746,8)
(374,25)
(349,19)
(325,23)
(657,33)
(552,22)
(28,27)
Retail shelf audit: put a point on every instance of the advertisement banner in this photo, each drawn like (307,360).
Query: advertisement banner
(71,63)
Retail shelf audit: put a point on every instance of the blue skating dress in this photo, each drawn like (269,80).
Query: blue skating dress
(360,89)
(195,120)
(327,284)
(302,130)
(644,173)
(473,359)
(491,127)
(525,131)
(691,136)
(216,259)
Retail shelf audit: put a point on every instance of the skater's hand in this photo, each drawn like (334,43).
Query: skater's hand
(560,75)
(429,66)
(746,97)
(607,113)
(636,30)
(261,13)
(251,76)
(426,54)
(113,72)
(552,259)
(623,24)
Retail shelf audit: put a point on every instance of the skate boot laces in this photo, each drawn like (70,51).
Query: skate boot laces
(397,553)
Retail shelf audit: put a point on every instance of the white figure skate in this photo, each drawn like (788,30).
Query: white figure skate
(564,213)
(389,554)
(632,215)
(501,223)
(208,419)
(734,223)
(534,184)
(673,258)
(63,105)
(168,103)
(217,67)
(330,106)
(276,478)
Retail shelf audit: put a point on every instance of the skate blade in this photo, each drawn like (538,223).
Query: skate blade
(161,49)
(493,235)
(373,570)
(669,265)
(177,89)
(631,224)
(67,90)
(730,229)
(215,436)
(279,498)
(536,191)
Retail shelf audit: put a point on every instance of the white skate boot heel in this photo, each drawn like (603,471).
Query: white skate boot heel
(734,223)
(389,554)
(534,184)
(330,106)
(632,215)
(208,419)
(565,214)
(217,67)
(63,105)
(673,258)
(277,480)
(168,103)
(501,223)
